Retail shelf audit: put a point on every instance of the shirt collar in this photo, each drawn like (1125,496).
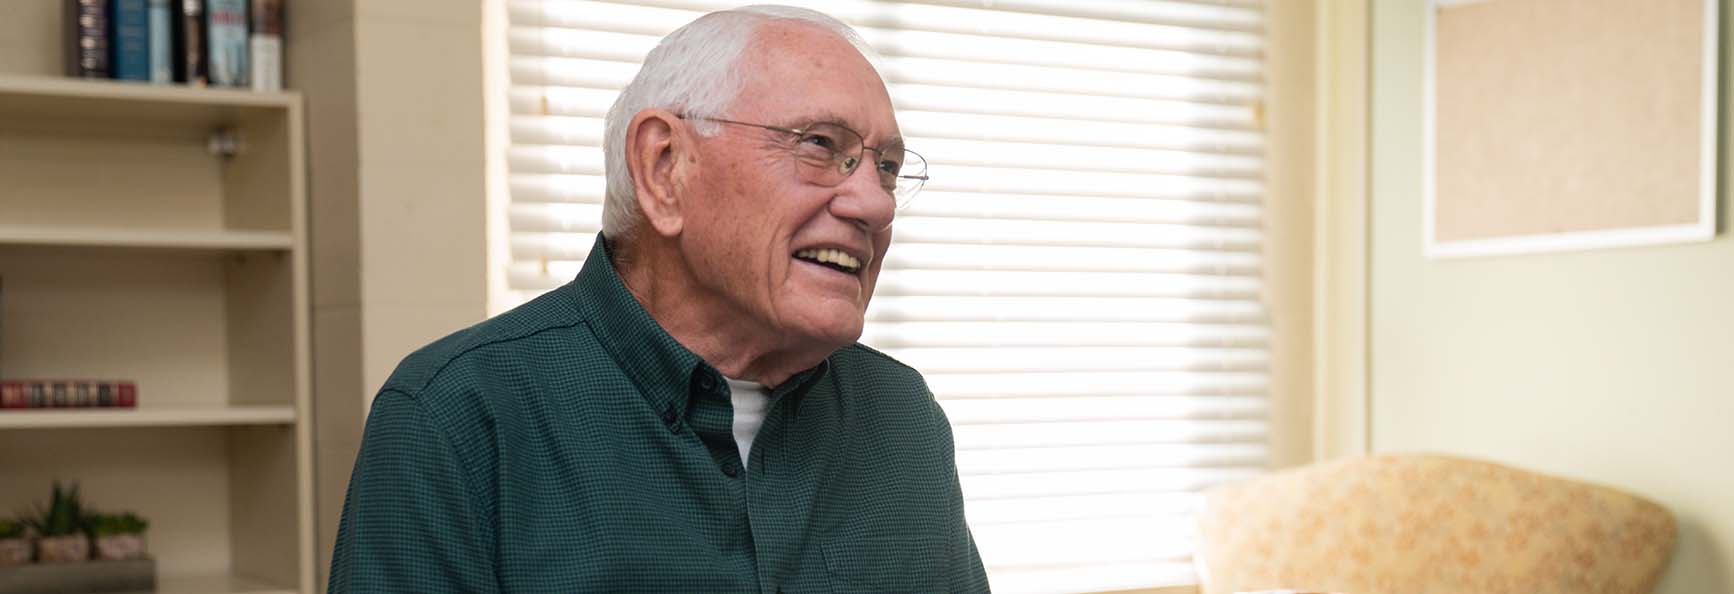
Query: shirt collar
(664,371)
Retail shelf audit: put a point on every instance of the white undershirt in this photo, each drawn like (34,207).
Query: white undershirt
(749,402)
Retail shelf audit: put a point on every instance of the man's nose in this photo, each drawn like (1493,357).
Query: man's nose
(860,198)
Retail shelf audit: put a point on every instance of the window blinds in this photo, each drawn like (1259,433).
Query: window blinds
(1080,282)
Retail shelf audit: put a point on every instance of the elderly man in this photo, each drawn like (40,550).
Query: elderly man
(691,414)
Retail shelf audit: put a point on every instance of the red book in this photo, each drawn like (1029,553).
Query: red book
(12,395)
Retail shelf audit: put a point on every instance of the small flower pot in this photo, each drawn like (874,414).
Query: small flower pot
(14,551)
(62,549)
(120,547)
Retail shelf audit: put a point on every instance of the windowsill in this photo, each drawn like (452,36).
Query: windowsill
(1162,590)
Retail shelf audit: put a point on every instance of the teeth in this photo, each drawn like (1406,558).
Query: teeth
(830,256)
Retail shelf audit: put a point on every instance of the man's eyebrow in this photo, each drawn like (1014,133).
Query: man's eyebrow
(830,117)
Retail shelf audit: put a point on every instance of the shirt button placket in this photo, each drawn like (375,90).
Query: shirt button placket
(671,419)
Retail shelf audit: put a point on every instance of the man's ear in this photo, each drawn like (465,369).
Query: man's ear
(656,141)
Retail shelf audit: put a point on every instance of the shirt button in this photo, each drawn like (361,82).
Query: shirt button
(669,418)
(707,383)
(729,468)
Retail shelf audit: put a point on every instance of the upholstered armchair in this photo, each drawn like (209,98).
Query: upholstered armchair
(1417,524)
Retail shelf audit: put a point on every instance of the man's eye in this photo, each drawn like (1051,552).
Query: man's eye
(890,167)
(820,140)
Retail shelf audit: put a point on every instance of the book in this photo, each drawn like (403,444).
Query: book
(86,29)
(34,394)
(189,45)
(129,40)
(266,45)
(226,42)
(162,42)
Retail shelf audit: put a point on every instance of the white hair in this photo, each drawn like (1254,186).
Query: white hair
(690,72)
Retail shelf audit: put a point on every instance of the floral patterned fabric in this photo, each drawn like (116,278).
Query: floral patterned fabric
(1416,524)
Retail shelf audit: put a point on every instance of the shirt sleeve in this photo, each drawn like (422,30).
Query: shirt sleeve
(967,575)
(409,523)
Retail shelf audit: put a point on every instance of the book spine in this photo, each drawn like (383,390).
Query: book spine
(129,39)
(226,33)
(126,395)
(12,395)
(189,25)
(87,38)
(162,42)
(266,44)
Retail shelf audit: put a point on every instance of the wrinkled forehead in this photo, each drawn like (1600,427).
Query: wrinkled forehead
(796,73)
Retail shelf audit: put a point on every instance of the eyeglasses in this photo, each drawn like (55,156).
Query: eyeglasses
(828,153)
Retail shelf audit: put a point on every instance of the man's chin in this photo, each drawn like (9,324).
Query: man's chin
(829,333)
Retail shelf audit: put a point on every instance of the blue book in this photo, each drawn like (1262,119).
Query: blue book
(226,30)
(130,39)
(162,48)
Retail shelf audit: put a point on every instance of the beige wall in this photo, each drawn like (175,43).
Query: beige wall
(394,93)
(1614,366)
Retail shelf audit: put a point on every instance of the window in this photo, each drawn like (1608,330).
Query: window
(1080,282)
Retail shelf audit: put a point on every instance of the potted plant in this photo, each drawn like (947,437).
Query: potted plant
(60,528)
(117,536)
(14,543)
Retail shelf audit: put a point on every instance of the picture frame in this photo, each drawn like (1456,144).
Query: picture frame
(1544,132)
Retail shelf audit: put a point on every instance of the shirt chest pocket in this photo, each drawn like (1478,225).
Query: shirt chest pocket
(858,562)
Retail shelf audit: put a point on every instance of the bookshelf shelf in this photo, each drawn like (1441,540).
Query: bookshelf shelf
(159,416)
(32,98)
(146,238)
(213,584)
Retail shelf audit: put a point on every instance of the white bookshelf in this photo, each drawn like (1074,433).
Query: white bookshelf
(130,251)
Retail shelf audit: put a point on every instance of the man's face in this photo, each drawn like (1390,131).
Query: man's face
(762,236)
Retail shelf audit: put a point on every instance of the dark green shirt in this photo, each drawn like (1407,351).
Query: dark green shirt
(571,445)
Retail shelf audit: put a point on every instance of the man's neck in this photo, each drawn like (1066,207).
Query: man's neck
(696,318)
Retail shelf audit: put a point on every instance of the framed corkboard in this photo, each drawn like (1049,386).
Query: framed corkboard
(1569,124)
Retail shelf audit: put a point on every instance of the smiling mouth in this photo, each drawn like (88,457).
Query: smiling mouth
(834,259)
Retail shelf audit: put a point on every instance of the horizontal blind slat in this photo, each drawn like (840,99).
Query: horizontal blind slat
(1079,433)
(1100,383)
(1000,283)
(1225,14)
(1075,233)
(1081,358)
(991,411)
(1015,460)
(906,17)
(1080,507)
(1130,538)
(893,308)
(1084,208)
(984,256)
(563,42)
(892,335)
(941,153)
(599,72)
(1087,482)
